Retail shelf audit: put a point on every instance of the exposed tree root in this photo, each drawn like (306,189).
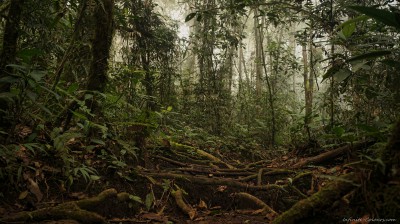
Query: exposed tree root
(268,173)
(330,154)
(262,205)
(181,147)
(75,210)
(214,172)
(213,181)
(318,201)
(189,210)
(171,161)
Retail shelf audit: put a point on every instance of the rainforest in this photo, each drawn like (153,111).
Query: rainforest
(191,111)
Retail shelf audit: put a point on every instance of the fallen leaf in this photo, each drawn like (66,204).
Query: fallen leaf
(78,195)
(154,216)
(202,205)
(23,195)
(34,188)
(22,156)
(23,131)
(222,188)
(192,214)
(270,216)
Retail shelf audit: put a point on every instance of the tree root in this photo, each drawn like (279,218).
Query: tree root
(75,210)
(189,210)
(320,200)
(330,154)
(212,181)
(200,152)
(264,207)
(268,173)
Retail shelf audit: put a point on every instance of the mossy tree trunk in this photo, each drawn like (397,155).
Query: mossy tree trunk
(101,45)
(8,53)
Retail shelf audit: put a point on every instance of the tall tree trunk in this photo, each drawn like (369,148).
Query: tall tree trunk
(101,45)
(310,84)
(306,87)
(332,94)
(240,71)
(258,59)
(9,50)
(270,92)
(294,45)
(308,81)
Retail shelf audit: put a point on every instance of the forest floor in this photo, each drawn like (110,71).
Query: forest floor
(179,183)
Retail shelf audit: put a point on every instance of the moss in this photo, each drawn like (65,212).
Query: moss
(318,201)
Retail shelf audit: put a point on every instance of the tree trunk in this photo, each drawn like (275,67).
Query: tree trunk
(270,92)
(258,59)
(101,48)
(306,88)
(9,50)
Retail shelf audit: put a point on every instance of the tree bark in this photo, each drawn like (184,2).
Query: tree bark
(101,49)
(323,199)
(9,51)
(258,59)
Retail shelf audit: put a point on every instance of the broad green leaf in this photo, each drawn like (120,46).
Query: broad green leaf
(136,198)
(384,16)
(94,177)
(88,96)
(331,71)
(149,201)
(341,35)
(72,88)
(357,19)
(98,141)
(339,131)
(357,66)
(79,115)
(27,54)
(190,16)
(37,75)
(9,79)
(370,55)
(349,29)
(341,75)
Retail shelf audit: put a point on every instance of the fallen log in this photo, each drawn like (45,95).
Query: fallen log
(318,201)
